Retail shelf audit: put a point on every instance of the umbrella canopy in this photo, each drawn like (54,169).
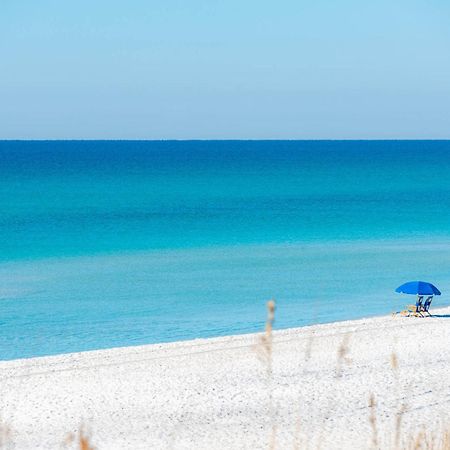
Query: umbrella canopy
(418,288)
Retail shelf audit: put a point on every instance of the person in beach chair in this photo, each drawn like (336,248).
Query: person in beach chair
(414,310)
(426,305)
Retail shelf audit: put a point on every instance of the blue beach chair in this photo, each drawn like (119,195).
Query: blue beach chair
(419,306)
(426,305)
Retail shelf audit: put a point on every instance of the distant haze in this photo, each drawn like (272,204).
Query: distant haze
(296,69)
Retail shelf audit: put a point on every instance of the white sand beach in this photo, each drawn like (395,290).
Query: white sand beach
(216,393)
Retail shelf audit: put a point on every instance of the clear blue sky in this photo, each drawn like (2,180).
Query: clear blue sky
(143,69)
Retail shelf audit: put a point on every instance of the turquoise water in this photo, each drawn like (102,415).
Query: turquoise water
(120,243)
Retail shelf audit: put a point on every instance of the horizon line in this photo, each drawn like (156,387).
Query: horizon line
(221,139)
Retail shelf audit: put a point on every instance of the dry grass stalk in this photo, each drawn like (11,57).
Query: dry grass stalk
(273,436)
(5,435)
(264,353)
(264,347)
(82,440)
(342,355)
(403,408)
(309,344)
(446,440)
(394,362)
(373,421)
(297,435)
(424,441)
(418,441)
(398,425)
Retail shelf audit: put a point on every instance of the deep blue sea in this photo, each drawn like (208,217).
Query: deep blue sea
(106,244)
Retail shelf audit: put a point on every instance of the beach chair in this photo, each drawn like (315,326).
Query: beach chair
(426,305)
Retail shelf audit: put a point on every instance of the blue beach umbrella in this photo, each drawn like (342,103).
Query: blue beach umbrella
(418,288)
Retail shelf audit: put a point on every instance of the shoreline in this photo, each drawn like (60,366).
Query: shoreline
(213,340)
(214,393)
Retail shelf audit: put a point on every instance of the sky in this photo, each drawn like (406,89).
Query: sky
(224,69)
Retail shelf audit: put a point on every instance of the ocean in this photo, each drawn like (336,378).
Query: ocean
(117,243)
